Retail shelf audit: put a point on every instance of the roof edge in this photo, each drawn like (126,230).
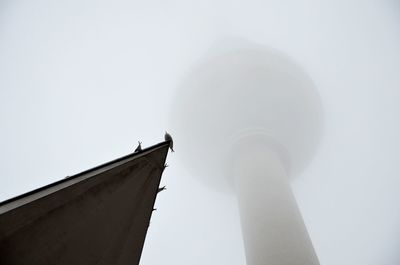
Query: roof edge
(96,168)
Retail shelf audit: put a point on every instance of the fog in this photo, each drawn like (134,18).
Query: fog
(82,81)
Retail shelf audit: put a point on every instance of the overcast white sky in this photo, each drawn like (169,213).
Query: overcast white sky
(82,81)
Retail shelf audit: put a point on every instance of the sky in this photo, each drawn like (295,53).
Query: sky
(82,81)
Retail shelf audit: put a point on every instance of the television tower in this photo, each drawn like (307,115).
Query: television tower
(247,120)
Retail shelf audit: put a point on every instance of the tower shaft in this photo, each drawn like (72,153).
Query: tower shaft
(273,229)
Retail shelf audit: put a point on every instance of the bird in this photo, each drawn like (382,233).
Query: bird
(168,137)
(161,189)
(139,147)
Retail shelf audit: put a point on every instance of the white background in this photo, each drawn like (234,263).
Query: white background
(82,81)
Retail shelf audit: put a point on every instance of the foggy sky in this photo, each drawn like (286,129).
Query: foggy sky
(82,81)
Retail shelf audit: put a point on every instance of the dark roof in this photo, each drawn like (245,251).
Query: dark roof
(99,216)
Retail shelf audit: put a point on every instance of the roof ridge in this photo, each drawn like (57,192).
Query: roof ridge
(69,178)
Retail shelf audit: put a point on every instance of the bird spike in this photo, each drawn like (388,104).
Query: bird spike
(161,189)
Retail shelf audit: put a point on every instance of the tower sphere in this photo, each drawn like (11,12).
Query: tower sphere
(251,92)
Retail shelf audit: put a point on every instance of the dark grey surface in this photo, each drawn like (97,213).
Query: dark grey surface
(99,216)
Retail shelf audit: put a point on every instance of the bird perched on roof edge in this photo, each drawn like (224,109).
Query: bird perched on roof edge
(168,137)
(139,147)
